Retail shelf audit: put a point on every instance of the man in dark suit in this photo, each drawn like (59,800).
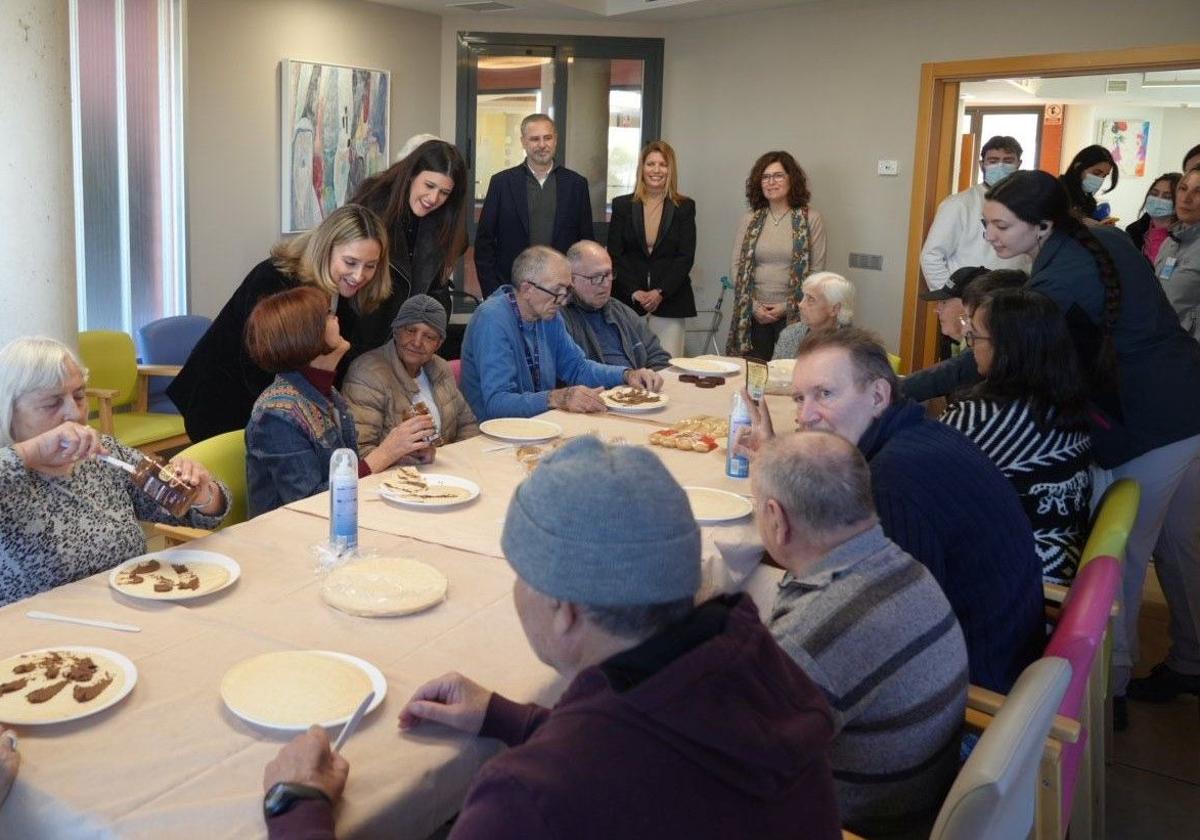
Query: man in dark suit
(535,203)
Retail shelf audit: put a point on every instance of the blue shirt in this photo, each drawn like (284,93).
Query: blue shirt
(608,337)
(496,379)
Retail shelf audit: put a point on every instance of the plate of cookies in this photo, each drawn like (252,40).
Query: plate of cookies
(178,574)
(628,398)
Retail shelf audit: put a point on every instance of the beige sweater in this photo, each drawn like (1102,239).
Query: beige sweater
(773,254)
(379,389)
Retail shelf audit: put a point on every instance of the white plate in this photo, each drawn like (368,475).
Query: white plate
(177,555)
(433,480)
(378,685)
(613,405)
(520,429)
(129,673)
(711,506)
(707,367)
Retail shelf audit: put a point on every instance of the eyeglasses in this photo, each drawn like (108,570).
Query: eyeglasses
(970,338)
(595,279)
(964,321)
(768,177)
(559,296)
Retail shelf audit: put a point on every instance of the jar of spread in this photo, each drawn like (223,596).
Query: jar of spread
(418,408)
(155,477)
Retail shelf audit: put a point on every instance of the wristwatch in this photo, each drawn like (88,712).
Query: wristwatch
(283,796)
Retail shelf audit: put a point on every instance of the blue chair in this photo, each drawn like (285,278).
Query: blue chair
(168,341)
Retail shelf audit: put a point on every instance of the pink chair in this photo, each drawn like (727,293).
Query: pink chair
(1067,766)
(456,366)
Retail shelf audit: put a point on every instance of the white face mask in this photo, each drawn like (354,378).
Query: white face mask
(997,172)
(1092,183)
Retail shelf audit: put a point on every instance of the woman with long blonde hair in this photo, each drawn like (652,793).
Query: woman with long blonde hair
(652,242)
(346,257)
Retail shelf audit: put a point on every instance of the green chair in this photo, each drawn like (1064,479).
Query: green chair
(118,391)
(225,457)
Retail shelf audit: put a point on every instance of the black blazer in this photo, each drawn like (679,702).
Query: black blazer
(503,229)
(666,268)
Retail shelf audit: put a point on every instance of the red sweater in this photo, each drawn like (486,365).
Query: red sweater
(708,730)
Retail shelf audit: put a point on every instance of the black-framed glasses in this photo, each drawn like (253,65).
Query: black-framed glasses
(595,279)
(559,296)
(773,176)
(970,338)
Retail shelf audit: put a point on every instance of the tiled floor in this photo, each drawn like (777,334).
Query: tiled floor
(1153,783)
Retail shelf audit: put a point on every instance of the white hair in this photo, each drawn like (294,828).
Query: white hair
(30,363)
(836,289)
(410,145)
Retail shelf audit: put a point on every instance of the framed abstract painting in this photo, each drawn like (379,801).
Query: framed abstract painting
(1128,141)
(335,130)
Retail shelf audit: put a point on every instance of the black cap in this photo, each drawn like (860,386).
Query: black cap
(957,284)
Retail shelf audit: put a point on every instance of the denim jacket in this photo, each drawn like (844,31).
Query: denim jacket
(292,432)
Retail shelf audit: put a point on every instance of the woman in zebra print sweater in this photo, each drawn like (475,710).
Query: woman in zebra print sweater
(1027,415)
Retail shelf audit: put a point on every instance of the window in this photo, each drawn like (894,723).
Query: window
(127,98)
(1024,123)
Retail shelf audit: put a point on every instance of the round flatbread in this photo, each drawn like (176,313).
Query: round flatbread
(160,579)
(57,685)
(384,586)
(294,689)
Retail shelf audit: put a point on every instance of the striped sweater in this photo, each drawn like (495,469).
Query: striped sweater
(871,627)
(1047,467)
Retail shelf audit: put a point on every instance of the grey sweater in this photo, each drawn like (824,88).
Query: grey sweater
(1183,284)
(871,627)
(640,344)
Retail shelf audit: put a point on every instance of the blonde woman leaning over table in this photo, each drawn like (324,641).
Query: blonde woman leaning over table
(63,514)
(780,241)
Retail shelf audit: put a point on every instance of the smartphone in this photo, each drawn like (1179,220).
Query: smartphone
(756,378)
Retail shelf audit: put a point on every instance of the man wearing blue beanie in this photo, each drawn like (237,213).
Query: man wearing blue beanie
(679,721)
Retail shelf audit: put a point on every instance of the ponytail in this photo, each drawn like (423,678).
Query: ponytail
(1104,373)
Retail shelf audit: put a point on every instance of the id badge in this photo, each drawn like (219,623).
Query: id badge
(1168,268)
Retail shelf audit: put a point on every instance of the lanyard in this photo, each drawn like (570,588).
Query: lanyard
(532,360)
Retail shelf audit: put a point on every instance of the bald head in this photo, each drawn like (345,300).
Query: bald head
(820,480)
(591,273)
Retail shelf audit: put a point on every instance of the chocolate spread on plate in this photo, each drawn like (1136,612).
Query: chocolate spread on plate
(41,695)
(147,567)
(86,693)
(15,685)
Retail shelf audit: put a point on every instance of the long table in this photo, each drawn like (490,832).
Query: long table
(171,761)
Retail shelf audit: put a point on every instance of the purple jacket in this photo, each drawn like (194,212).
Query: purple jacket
(708,730)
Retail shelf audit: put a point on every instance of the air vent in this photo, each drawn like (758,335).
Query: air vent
(1116,86)
(485,6)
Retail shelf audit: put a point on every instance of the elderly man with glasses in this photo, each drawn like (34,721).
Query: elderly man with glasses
(517,350)
(608,330)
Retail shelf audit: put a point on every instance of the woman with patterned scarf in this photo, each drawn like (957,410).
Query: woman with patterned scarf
(780,241)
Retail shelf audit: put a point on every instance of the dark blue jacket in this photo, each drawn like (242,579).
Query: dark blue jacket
(293,431)
(1156,401)
(945,503)
(503,229)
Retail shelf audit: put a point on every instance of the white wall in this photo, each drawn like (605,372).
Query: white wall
(1181,131)
(233,105)
(836,83)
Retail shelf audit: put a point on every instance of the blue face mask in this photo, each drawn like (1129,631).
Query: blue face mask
(997,172)
(1159,208)
(1092,183)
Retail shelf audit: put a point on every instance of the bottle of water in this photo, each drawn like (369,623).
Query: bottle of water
(343,501)
(737,466)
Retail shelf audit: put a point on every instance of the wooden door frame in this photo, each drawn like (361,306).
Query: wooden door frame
(933,163)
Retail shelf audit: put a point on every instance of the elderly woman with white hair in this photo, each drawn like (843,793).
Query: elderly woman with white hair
(828,304)
(63,514)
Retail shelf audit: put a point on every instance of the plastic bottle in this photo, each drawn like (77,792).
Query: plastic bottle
(737,466)
(343,500)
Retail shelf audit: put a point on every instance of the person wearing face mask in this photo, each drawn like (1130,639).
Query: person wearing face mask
(955,238)
(1158,214)
(1178,262)
(536,202)
(1086,174)
(422,200)
(345,257)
